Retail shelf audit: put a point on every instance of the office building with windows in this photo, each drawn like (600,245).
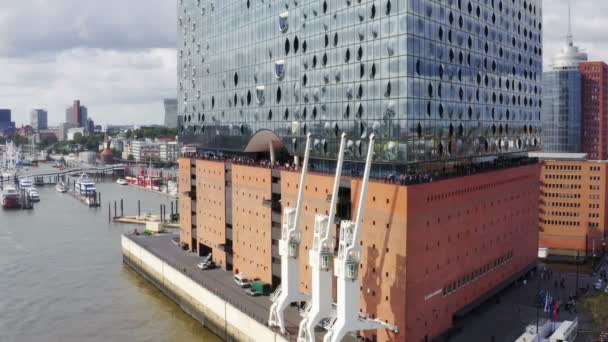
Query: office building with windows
(561,113)
(39,119)
(573,205)
(77,115)
(451,91)
(594,76)
(7,127)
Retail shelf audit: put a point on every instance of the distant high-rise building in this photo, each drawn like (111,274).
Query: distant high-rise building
(76,115)
(561,112)
(83,116)
(39,119)
(7,127)
(171,113)
(90,126)
(594,96)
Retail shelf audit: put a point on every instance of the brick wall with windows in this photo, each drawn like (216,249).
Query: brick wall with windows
(572,207)
(211,209)
(251,222)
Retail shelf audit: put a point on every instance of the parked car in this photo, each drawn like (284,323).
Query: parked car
(241,280)
(253,293)
(261,288)
(599,284)
(206,265)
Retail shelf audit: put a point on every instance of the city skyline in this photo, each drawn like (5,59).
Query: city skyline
(124,66)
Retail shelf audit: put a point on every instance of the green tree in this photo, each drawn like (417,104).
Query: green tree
(78,137)
(596,306)
(130,157)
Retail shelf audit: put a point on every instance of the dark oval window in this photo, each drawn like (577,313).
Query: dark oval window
(373,12)
(279,94)
(373,72)
(324,60)
(287,46)
(336,39)
(347,56)
(236,79)
(296,44)
(388,7)
(248,97)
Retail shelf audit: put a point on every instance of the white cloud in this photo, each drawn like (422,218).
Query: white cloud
(118,58)
(117,86)
(589,18)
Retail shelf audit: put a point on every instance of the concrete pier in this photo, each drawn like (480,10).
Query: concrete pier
(156,259)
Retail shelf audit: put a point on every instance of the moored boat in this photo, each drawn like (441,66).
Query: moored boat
(85,186)
(10,198)
(25,183)
(33,195)
(60,187)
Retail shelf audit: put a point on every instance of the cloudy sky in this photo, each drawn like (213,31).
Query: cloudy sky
(118,56)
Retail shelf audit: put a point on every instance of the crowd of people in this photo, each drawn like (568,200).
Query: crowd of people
(405,175)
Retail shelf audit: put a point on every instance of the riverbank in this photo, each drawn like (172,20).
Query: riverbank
(209,296)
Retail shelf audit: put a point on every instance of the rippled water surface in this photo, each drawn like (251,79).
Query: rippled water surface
(62,277)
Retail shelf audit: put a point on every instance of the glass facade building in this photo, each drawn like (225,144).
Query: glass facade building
(170,113)
(561,112)
(435,80)
(39,119)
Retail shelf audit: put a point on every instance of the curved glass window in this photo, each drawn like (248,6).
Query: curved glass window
(259,95)
(284,21)
(279,69)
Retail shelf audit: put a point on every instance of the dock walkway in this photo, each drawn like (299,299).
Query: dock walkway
(219,282)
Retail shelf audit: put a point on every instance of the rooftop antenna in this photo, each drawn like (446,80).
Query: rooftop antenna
(570,36)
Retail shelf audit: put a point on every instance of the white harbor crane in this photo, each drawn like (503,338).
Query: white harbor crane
(320,260)
(348,319)
(289,249)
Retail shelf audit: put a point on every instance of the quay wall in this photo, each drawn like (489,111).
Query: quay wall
(217,315)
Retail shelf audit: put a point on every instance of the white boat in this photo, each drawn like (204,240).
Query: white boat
(25,183)
(85,186)
(122,181)
(33,195)
(172,188)
(60,187)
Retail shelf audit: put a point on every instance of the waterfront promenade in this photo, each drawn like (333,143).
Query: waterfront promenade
(217,281)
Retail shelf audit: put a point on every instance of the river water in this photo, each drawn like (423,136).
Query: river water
(62,277)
